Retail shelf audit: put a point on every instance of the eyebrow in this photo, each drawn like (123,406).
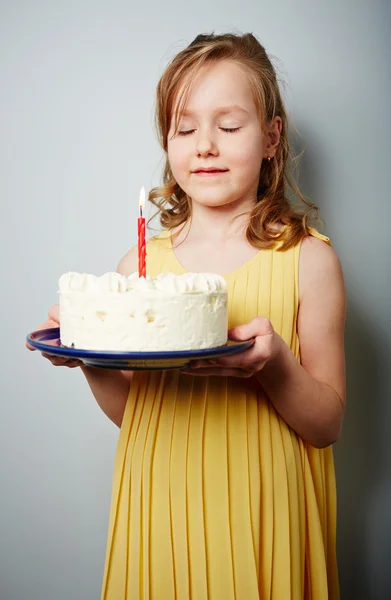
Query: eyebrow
(221,110)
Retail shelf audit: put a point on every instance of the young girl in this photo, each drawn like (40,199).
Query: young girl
(224,480)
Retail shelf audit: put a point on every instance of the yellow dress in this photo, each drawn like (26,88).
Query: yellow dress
(214,495)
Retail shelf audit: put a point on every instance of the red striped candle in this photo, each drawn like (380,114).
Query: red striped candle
(142,248)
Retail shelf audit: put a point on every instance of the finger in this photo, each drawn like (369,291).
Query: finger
(47,325)
(53,359)
(66,362)
(51,323)
(57,361)
(73,363)
(243,361)
(217,372)
(250,359)
(258,326)
(196,364)
(54,313)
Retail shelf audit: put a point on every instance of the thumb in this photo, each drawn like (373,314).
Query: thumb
(258,326)
(54,313)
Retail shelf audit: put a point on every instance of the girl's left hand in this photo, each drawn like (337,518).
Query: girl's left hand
(247,363)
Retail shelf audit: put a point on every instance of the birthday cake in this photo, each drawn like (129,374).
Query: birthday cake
(131,314)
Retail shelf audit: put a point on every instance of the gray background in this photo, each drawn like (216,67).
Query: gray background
(77,142)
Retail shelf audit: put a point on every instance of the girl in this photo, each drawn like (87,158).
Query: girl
(224,481)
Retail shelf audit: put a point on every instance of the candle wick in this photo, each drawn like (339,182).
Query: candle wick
(141,211)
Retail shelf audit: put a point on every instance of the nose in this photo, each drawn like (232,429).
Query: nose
(206,145)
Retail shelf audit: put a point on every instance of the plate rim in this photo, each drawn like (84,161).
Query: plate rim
(53,333)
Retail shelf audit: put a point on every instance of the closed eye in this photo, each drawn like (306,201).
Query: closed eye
(225,129)
(230,129)
(188,132)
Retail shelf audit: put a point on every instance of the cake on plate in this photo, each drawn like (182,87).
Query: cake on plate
(131,314)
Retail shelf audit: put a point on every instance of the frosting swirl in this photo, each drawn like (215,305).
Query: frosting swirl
(187,283)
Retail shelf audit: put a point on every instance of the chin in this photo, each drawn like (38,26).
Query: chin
(212,200)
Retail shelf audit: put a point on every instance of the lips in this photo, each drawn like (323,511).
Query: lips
(209,170)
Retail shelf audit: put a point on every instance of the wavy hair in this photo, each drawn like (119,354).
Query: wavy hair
(273,220)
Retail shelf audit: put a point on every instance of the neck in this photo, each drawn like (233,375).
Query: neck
(218,223)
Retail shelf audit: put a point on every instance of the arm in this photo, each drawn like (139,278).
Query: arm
(311,396)
(110,389)
(127,266)
(107,384)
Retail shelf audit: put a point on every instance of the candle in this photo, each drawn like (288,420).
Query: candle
(142,248)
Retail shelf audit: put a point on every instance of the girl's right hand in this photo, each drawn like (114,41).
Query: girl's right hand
(54,321)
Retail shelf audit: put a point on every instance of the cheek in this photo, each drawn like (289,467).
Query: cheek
(250,153)
(178,161)
(248,160)
(246,152)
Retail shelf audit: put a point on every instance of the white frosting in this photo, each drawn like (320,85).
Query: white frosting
(171,312)
(168,282)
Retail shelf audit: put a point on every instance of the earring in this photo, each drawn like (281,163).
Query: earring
(269,158)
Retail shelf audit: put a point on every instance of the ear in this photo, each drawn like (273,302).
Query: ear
(273,135)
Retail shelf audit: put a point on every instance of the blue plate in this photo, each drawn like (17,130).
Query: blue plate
(48,341)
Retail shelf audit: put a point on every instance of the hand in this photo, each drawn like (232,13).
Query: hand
(247,363)
(54,321)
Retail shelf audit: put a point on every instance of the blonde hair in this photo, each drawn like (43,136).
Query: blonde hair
(272,220)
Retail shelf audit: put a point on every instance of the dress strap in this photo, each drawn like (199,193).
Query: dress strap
(315,233)
(159,241)
(160,256)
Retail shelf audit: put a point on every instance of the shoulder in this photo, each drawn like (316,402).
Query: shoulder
(319,266)
(160,238)
(128,263)
(321,314)
(316,251)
